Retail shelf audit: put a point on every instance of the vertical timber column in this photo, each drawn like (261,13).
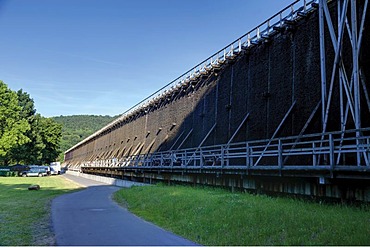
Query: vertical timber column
(322,61)
(356,81)
(230,101)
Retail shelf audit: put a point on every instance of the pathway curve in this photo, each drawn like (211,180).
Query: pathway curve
(91,217)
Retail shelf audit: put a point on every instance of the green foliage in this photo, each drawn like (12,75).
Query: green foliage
(28,153)
(50,132)
(78,127)
(12,126)
(27,104)
(25,215)
(25,136)
(217,217)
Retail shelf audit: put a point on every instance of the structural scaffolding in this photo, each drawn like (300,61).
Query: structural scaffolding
(333,153)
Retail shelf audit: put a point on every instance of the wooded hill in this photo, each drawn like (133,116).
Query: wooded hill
(78,127)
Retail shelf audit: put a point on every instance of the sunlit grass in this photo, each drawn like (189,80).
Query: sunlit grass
(217,217)
(25,215)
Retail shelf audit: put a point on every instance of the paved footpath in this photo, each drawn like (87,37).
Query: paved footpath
(91,217)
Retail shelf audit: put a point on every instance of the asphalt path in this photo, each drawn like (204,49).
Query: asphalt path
(90,217)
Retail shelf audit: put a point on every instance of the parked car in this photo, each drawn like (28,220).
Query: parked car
(55,168)
(34,172)
(47,168)
(19,168)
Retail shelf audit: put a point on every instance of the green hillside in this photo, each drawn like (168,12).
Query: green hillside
(78,127)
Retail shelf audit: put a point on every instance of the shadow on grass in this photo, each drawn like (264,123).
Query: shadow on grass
(25,214)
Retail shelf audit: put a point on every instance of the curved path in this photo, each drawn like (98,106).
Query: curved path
(91,217)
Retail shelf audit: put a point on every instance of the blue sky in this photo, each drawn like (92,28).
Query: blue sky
(103,56)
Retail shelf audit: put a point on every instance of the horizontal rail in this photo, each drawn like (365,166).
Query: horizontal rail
(313,151)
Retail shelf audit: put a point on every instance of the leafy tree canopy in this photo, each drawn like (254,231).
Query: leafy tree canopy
(26,103)
(12,126)
(25,136)
(50,132)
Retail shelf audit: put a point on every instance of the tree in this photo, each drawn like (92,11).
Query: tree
(30,152)
(27,105)
(12,126)
(25,136)
(50,133)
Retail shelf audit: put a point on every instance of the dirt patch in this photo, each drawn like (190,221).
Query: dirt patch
(43,234)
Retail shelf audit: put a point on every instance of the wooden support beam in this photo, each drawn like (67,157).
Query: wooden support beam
(275,133)
(237,130)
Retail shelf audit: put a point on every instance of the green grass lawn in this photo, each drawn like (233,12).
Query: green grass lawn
(25,215)
(212,216)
